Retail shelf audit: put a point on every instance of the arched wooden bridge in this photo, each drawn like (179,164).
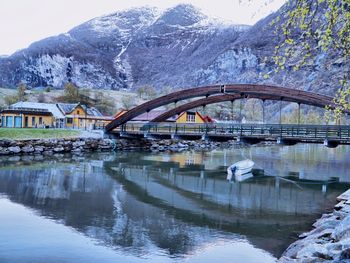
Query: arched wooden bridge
(220,93)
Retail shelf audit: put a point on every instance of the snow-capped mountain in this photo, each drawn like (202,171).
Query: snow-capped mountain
(179,47)
(124,49)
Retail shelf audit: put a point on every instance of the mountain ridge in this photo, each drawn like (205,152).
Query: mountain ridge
(178,48)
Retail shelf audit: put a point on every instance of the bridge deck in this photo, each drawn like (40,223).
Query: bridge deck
(331,135)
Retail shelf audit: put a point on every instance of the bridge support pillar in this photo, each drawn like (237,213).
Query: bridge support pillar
(248,140)
(287,142)
(330,144)
(173,136)
(279,140)
(277,182)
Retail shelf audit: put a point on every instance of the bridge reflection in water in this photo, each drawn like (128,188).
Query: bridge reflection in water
(178,203)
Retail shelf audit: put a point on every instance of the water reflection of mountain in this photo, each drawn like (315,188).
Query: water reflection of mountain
(134,202)
(81,195)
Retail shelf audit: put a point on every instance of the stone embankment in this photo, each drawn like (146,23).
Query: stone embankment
(80,145)
(53,146)
(329,241)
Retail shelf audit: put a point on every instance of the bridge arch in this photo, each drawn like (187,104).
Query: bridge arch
(203,102)
(235,91)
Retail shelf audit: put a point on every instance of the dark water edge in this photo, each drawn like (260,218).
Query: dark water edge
(164,207)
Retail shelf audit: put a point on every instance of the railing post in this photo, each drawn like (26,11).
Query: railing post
(280,111)
(263,101)
(240,111)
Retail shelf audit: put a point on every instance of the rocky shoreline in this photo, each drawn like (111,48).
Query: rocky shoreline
(329,241)
(54,146)
(81,145)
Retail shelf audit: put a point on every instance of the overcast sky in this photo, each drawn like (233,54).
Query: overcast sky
(25,21)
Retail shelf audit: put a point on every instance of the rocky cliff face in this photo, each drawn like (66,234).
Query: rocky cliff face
(179,48)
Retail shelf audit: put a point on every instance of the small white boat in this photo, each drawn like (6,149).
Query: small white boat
(243,177)
(239,168)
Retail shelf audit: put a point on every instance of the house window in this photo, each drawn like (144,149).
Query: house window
(69,120)
(33,121)
(40,120)
(191,117)
(78,112)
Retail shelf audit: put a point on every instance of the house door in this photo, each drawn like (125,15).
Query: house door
(18,122)
(26,122)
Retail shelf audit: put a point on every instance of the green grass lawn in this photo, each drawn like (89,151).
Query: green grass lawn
(23,134)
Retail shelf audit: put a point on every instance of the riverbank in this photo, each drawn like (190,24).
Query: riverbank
(329,241)
(52,146)
(31,134)
(88,144)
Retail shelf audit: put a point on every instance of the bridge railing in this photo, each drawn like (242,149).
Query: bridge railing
(274,130)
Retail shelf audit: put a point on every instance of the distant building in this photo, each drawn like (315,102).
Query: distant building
(45,115)
(193,117)
(147,116)
(185,117)
(79,116)
(31,115)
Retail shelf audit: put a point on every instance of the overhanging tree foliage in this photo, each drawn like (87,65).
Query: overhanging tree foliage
(313,27)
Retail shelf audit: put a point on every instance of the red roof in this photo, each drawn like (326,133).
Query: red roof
(145,116)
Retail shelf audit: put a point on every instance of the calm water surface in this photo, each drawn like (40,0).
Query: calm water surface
(162,207)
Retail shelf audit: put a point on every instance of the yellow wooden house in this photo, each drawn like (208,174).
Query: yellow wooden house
(192,117)
(31,115)
(78,116)
(45,115)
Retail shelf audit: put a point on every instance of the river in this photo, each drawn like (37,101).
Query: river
(165,207)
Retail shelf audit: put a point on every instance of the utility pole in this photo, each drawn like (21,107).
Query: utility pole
(86,109)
